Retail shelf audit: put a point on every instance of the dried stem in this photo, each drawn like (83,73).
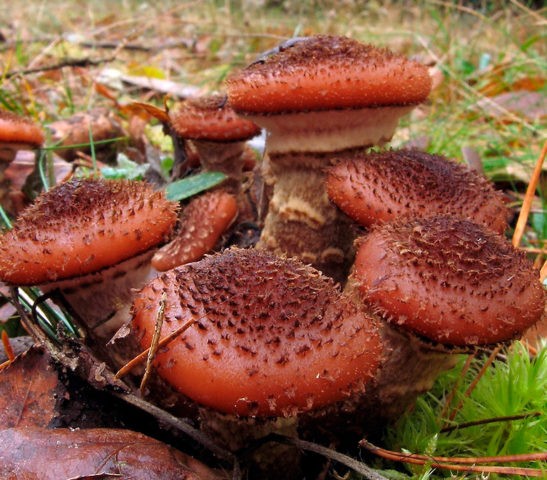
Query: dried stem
(450,397)
(527,202)
(141,356)
(463,464)
(489,420)
(476,380)
(7,346)
(155,341)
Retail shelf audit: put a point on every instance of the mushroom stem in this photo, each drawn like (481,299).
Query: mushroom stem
(301,221)
(101,300)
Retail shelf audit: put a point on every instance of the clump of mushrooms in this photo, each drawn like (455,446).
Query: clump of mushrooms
(219,136)
(92,239)
(316,96)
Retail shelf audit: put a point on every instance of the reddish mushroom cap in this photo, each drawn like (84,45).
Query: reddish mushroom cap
(210,118)
(381,186)
(17,129)
(82,226)
(203,222)
(449,280)
(274,337)
(328,72)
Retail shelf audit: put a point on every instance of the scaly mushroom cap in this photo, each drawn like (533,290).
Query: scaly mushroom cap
(82,226)
(203,222)
(274,337)
(449,280)
(328,72)
(21,130)
(210,118)
(382,186)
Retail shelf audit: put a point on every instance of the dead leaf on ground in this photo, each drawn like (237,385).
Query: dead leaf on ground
(29,391)
(40,454)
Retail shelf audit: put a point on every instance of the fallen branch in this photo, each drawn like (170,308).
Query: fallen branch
(69,62)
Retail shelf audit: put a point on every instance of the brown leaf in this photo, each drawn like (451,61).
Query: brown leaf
(29,388)
(42,454)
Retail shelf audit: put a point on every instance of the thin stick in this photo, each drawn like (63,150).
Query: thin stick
(452,393)
(527,203)
(463,464)
(473,384)
(489,420)
(349,462)
(7,346)
(143,355)
(155,341)
(543,272)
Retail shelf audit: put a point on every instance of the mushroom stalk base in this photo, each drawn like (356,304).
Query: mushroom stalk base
(269,461)
(409,369)
(101,300)
(301,221)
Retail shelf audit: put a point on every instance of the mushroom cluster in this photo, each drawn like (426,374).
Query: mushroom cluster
(315,97)
(312,319)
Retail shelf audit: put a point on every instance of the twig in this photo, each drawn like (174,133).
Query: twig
(155,341)
(463,464)
(450,397)
(7,346)
(543,272)
(527,203)
(473,384)
(141,356)
(489,420)
(69,62)
(345,460)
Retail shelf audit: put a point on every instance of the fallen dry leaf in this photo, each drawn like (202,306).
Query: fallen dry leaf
(33,453)
(29,389)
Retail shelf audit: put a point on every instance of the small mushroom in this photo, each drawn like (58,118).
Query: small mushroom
(73,234)
(203,221)
(217,133)
(16,133)
(382,186)
(317,96)
(442,284)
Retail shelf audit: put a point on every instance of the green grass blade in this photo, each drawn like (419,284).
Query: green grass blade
(189,186)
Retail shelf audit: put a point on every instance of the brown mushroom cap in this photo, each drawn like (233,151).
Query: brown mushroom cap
(210,118)
(328,72)
(21,130)
(274,337)
(449,280)
(381,186)
(82,226)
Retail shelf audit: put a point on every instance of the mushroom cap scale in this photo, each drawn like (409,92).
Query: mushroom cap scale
(381,186)
(274,337)
(449,280)
(210,118)
(326,72)
(82,226)
(19,130)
